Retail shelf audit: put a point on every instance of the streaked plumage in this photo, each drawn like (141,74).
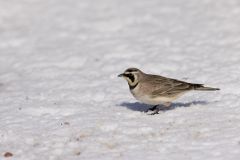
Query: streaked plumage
(155,90)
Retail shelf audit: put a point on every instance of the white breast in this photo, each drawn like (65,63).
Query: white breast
(148,99)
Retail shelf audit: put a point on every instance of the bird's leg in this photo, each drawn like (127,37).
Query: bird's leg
(153,108)
(156,108)
(156,111)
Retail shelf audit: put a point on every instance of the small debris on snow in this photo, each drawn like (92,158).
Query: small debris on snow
(8,154)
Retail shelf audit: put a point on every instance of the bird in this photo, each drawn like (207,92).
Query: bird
(158,90)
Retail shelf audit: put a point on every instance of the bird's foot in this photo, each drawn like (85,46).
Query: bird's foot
(156,111)
(153,110)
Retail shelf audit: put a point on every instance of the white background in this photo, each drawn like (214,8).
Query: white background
(61,99)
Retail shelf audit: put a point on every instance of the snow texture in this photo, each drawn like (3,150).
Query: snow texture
(61,99)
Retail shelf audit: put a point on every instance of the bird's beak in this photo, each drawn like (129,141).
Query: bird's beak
(120,75)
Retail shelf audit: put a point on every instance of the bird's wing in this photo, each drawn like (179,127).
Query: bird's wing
(168,87)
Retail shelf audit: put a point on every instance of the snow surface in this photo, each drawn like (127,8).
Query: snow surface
(61,99)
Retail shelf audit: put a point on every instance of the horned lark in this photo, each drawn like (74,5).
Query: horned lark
(156,90)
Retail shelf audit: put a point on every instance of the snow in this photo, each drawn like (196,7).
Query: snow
(60,97)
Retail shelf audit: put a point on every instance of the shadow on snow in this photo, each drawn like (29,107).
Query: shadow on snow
(144,107)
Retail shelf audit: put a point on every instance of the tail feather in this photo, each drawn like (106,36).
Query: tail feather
(200,87)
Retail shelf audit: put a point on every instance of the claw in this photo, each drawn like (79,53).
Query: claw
(152,108)
(155,110)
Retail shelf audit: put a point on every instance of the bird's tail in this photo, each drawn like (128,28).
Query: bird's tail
(200,87)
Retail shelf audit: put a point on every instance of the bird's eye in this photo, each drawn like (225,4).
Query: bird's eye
(130,76)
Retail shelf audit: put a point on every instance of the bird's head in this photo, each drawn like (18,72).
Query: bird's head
(132,76)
